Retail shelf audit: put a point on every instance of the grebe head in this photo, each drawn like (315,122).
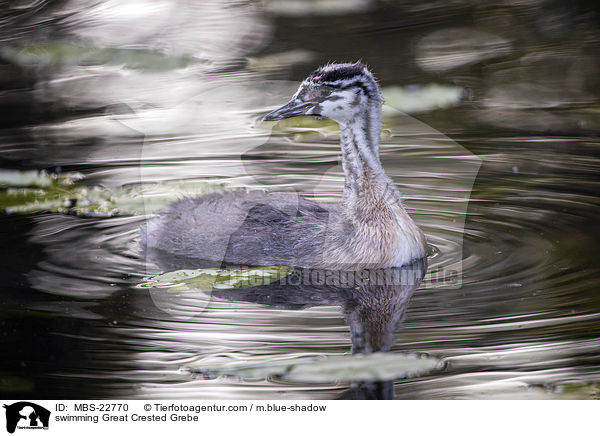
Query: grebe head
(341,92)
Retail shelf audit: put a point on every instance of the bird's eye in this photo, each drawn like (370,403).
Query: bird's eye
(314,94)
(311,95)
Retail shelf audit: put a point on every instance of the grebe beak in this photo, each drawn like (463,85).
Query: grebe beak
(293,108)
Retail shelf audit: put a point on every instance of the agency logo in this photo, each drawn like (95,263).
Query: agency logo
(26,415)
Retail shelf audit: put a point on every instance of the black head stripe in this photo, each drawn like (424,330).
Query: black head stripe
(336,72)
(346,76)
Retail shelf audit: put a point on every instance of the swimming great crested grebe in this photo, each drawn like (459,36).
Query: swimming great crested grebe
(368,228)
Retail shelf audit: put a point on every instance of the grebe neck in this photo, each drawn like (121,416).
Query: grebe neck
(360,154)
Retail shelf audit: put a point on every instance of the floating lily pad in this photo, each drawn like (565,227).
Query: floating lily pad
(589,390)
(209,279)
(36,191)
(67,53)
(346,368)
(34,178)
(419,98)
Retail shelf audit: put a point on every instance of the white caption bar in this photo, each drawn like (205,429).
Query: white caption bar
(88,418)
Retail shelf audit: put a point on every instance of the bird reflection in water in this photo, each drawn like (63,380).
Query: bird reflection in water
(373,301)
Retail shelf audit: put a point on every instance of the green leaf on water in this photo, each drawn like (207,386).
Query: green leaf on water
(420,98)
(68,53)
(209,279)
(583,390)
(346,368)
(36,191)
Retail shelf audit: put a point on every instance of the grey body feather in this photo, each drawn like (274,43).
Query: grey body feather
(238,228)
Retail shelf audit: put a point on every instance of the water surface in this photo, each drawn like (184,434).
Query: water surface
(503,180)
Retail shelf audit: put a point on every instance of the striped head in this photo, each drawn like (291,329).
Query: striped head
(341,92)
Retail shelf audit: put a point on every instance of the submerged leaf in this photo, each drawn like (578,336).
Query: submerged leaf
(13,383)
(274,61)
(253,370)
(346,368)
(369,367)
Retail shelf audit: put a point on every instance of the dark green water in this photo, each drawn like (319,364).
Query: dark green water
(499,166)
